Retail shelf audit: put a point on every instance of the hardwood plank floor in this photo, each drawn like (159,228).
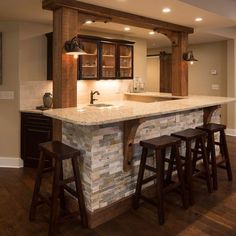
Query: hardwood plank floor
(213,214)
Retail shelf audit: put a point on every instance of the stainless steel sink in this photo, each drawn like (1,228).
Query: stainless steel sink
(100,105)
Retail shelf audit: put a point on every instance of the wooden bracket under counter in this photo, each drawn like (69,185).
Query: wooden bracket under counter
(208,112)
(130,128)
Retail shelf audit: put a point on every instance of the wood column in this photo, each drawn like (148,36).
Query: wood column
(66,25)
(179,66)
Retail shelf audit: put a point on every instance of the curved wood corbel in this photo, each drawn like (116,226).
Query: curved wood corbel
(208,112)
(130,128)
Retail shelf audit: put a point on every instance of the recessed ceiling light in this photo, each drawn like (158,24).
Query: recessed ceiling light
(127,28)
(151,32)
(88,22)
(166,10)
(198,19)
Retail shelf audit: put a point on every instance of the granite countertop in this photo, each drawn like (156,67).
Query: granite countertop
(127,110)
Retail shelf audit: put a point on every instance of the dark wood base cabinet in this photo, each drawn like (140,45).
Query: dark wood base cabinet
(35,129)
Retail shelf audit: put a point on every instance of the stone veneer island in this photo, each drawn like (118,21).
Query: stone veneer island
(108,137)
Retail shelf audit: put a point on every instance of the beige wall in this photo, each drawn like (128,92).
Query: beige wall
(24,58)
(231,86)
(211,56)
(33,51)
(10,117)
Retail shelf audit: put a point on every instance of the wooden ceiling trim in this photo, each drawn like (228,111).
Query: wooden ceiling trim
(116,16)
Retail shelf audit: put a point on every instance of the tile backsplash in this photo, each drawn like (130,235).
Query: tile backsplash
(31,92)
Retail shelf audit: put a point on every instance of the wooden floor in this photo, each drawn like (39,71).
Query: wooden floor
(213,214)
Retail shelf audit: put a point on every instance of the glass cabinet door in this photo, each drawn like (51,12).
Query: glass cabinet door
(125,61)
(88,68)
(108,58)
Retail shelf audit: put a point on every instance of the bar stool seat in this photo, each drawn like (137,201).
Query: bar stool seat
(159,145)
(59,152)
(192,156)
(211,129)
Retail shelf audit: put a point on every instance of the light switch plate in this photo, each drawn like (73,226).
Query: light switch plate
(213,72)
(7,95)
(215,86)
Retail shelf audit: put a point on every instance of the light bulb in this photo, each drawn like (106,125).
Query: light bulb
(76,56)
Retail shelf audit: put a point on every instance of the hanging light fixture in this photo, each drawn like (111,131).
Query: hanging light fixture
(188,56)
(72,47)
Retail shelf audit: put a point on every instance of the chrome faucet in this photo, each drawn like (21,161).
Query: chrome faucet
(92,93)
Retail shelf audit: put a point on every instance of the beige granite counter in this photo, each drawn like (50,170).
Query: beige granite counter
(128,110)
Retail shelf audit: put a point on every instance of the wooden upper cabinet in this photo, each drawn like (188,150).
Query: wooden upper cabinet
(105,59)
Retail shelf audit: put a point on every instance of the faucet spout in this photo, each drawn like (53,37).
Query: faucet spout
(92,93)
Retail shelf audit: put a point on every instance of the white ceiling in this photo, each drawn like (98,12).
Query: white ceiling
(182,13)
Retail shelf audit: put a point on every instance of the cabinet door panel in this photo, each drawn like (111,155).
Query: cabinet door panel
(35,129)
(125,61)
(88,64)
(108,58)
(32,137)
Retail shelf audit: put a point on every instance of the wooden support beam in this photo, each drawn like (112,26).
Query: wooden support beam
(65,27)
(179,66)
(130,128)
(115,15)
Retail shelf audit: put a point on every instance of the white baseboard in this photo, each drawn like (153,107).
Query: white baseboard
(230,132)
(11,162)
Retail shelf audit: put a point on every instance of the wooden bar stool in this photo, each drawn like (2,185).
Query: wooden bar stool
(159,145)
(59,152)
(211,129)
(192,156)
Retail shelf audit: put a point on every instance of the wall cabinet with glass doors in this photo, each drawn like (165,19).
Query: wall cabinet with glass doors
(105,59)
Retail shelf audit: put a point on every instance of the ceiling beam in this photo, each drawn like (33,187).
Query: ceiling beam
(115,15)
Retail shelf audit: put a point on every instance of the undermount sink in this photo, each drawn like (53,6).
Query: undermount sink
(100,105)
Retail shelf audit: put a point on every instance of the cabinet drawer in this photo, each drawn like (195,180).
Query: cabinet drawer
(36,119)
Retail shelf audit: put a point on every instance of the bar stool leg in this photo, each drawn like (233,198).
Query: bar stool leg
(79,191)
(62,193)
(226,155)
(55,195)
(206,165)
(37,186)
(211,141)
(180,176)
(189,172)
(160,155)
(140,178)
(170,166)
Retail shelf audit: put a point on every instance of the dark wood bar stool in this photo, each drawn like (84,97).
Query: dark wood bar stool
(59,152)
(211,129)
(159,145)
(192,156)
